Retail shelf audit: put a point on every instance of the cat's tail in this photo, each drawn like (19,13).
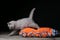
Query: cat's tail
(31,13)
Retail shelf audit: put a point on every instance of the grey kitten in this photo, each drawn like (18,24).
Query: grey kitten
(23,23)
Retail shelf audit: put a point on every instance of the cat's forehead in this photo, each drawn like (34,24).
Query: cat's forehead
(11,21)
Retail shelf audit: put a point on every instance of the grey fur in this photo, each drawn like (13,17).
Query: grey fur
(23,23)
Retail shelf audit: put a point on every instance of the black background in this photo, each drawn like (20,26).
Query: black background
(46,14)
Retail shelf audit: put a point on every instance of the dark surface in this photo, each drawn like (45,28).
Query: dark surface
(46,14)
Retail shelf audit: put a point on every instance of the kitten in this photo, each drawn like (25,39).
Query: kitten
(23,23)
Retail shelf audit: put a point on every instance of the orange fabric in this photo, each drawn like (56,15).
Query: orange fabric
(27,30)
(46,30)
(39,32)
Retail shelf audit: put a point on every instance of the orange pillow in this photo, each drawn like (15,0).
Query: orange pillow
(41,32)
